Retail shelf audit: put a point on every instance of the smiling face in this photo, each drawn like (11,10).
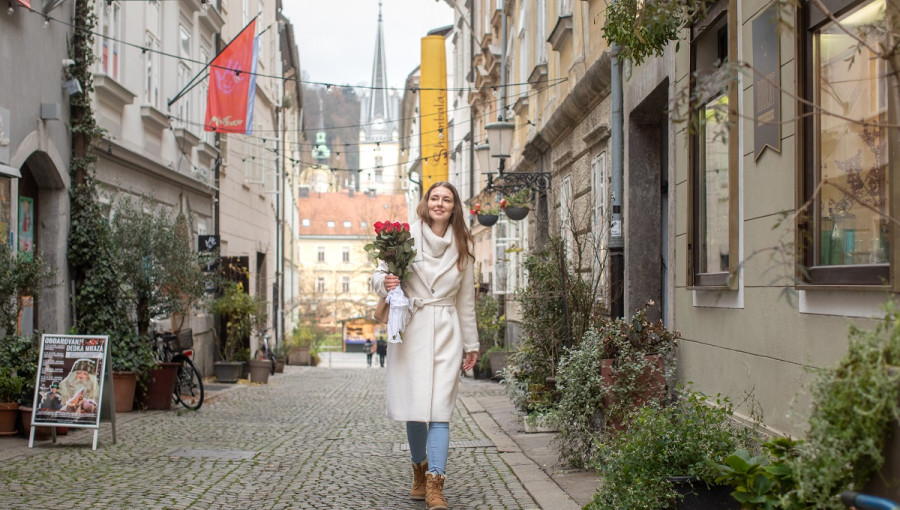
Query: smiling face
(440,205)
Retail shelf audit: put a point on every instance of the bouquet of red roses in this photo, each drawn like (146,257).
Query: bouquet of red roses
(394,246)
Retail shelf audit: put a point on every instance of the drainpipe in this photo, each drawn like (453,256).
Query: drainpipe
(503,28)
(617,145)
(472,110)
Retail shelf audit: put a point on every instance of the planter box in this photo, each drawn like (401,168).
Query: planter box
(538,423)
(516,213)
(498,362)
(228,372)
(697,495)
(299,356)
(652,382)
(41,433)
(279,365)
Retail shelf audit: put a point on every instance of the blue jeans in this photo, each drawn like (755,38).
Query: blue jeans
(431,440)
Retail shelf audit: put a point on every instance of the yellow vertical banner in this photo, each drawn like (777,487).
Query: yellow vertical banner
(433,111)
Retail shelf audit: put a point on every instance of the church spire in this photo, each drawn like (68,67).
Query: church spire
(378,109)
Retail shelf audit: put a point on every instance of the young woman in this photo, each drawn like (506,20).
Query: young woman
(423,370)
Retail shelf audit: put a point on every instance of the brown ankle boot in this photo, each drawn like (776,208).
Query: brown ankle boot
(434,492)
(418,488)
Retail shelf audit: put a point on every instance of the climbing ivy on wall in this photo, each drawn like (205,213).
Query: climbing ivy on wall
(91,254)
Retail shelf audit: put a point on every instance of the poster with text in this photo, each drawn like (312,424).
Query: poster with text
(70,380)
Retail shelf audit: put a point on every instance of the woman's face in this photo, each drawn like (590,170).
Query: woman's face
(440,204)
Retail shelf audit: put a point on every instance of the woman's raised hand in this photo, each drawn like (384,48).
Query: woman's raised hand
(391,282)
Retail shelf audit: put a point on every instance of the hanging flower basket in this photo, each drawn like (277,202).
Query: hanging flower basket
(516,213)
(487,219)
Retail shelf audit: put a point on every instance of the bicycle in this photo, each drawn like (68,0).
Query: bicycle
(177,348)
(859,501)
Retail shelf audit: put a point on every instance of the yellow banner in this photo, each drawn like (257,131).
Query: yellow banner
(433,111)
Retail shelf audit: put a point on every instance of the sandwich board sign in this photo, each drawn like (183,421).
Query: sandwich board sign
(74,386)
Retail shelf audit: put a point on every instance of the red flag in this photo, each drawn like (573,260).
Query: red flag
(232,85)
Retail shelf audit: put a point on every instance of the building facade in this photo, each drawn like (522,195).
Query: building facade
(335,270)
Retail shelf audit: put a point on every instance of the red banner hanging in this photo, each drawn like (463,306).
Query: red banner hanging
(232,85)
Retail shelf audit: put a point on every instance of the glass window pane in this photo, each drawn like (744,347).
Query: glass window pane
(713,186)
(852,159)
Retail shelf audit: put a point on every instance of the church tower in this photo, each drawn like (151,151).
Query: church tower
(379,144)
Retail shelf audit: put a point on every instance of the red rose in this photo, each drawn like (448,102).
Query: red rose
(397,226)
(378,227)
(406,227)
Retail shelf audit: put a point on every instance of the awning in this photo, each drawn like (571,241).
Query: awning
(10,171)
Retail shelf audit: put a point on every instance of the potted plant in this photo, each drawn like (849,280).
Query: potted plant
(131,359)
(487,214)
(303,342)
(280,357)
(517,205)
(490,323)
(10,390)
(665,459)
(242,314)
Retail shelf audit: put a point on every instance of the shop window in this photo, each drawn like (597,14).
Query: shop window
(847,165)
(713,152)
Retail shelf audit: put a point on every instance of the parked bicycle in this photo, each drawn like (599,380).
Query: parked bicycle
(859,501)
(178,348)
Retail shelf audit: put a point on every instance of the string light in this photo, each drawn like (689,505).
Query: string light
(46,22)
(204,5)
(11,10)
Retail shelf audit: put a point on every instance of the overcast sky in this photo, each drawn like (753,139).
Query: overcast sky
(336,38)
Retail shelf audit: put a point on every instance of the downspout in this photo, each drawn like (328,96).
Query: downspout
(276,292)
(617,147)
(503,92)
(472,110)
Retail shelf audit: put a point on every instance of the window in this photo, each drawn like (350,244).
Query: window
(184,104)
(320,285)
(347,224)
(846,163)
(363,225)
(151,68)
(305,222)
(379,175)
(185,47)
(110,47)
(330,224)
(540,39)
(345,284)
(714,153)
(321,257)
(600,186)
(510,249)
(345,254)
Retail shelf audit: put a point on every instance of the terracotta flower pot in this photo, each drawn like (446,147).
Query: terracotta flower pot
(160,390)
(259,370)
(124,384)
(9,413)
(40,433)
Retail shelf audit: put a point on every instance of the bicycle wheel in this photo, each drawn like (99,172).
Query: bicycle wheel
(188,385)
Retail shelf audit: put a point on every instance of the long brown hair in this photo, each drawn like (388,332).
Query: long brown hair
(461,233)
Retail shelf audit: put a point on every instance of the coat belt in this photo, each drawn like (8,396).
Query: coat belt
(416,303)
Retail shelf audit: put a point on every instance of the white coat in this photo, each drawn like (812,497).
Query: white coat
(423,371)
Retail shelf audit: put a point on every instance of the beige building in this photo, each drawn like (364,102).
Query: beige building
(760,295)
(334,269)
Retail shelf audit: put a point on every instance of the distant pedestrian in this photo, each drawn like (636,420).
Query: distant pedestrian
(381,349)
(369,348)
(423,373)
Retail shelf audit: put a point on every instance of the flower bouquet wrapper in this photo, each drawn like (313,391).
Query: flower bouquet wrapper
(398,316)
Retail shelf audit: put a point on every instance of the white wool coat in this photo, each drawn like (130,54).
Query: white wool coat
(423,371)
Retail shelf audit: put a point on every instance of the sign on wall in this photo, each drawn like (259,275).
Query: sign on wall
(766,82)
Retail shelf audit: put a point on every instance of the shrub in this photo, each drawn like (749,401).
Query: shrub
(678,440)
(586,398)
(853,403)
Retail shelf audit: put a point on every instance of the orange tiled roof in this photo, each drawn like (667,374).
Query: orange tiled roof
(361,211)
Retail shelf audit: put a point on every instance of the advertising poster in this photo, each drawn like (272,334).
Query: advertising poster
(26,226)
(433,107)
(70,380)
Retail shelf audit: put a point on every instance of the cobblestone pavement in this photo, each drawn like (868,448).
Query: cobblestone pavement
(314,438)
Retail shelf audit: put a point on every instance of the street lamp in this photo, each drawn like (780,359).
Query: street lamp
(500,137)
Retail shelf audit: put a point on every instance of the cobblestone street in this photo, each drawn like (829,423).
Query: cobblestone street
(311,438)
